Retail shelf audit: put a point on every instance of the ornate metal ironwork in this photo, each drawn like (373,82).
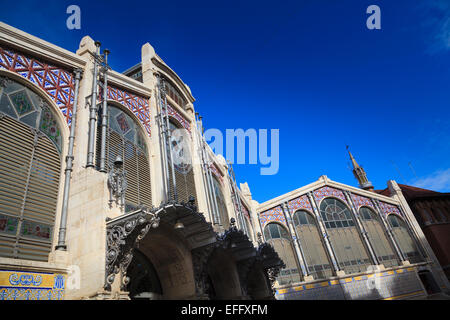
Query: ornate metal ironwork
(122,236)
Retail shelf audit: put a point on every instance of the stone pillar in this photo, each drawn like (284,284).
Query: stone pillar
(298,248)
(149,80)
(419,236)
(323,230)
(361,228)
(86,49)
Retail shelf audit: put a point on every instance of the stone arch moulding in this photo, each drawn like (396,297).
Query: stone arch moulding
(57,82)
(137,104)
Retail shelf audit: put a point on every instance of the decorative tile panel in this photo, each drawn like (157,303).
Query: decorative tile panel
(360,201)
(398,284)
(275,214)
(301,202)
(387,208)
(59,83)
(324,192)
(136,104)
(174,114)
(19,285)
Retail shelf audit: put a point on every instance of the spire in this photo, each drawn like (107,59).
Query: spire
(360,174)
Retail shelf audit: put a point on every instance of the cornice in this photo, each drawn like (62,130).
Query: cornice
(35,46)
(117,79)
(169,73)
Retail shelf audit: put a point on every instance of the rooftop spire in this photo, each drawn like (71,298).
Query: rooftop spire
(360,174)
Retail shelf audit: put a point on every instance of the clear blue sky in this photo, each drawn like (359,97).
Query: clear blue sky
(309,68)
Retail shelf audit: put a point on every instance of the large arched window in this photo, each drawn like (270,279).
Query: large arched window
(125,138)
(278,237)
(347,244)
(404,239)
(223,213)
(182,158)
(314,253)
(30,169)
(377,236)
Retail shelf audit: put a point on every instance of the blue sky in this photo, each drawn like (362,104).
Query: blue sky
(309,68)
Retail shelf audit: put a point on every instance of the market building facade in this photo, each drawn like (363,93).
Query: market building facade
(108,190)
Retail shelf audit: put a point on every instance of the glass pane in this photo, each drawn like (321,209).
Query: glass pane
(274,232)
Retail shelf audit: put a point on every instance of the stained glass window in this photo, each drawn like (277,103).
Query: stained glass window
(182,161)
(125,138)
(30,162)
(24,105)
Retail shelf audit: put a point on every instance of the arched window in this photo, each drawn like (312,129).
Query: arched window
(30,169)
(125,138)
(314,253)
(184,175)
(404,239)
(223,213)
(377,236)
(347,244)
(279,238)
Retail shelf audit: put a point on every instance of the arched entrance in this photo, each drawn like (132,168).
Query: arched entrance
(171,259)
(223,275)
(258,287)
(171,252)
(144,281)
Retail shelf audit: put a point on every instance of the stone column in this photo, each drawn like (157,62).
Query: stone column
(419,236)
(157,172)
(298,248)
(323,230)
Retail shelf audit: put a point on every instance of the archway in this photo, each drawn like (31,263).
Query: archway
(172,261)
(258,287)
(144,281)
(223,275)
